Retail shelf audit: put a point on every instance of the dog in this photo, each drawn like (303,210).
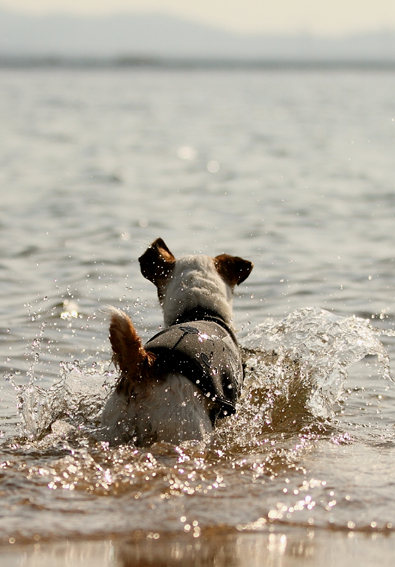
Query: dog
(176,386)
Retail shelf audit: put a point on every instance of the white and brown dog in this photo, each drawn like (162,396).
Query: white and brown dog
(175,387)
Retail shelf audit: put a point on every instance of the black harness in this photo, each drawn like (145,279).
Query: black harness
(202,347)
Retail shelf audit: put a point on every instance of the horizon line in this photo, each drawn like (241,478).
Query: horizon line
(190,63)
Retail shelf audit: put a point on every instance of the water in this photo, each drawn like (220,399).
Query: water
(293,171)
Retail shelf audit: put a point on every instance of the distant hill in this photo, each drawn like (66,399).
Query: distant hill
(164,36)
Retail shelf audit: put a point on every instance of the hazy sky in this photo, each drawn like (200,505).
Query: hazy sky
(317,16)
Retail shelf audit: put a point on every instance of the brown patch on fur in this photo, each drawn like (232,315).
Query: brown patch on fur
(157,263)
(136,365)
(232,269)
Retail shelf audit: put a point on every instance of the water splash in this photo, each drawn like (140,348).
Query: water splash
(75,402)
(296,370)
(305,357)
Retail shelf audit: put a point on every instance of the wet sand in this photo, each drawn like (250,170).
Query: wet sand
(290,548)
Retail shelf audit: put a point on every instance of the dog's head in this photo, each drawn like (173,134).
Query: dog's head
(193,281)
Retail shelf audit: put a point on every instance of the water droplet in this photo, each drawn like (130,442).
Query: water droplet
(213,166)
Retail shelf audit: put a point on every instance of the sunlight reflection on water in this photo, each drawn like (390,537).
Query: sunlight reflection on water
(124,158)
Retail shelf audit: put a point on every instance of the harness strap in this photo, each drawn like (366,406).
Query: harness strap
(207,354)
(202,314)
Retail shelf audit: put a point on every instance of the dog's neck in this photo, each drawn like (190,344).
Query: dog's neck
(203,314)
(194,283)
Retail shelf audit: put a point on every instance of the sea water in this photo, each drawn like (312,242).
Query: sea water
(292,170)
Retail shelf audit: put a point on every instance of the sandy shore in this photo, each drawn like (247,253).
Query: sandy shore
(290,548)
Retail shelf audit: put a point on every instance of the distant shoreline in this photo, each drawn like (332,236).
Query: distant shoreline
(164,40)
(134,62)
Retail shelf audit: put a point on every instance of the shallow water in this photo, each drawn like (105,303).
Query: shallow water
(293,171)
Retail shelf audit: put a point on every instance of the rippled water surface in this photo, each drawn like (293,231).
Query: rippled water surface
(293,171)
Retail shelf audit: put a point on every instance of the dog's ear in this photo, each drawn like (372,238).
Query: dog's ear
(232,269)
(157,262)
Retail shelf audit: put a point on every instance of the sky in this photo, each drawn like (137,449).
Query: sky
(323,17)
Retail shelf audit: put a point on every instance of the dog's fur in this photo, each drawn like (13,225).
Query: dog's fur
(148,406)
